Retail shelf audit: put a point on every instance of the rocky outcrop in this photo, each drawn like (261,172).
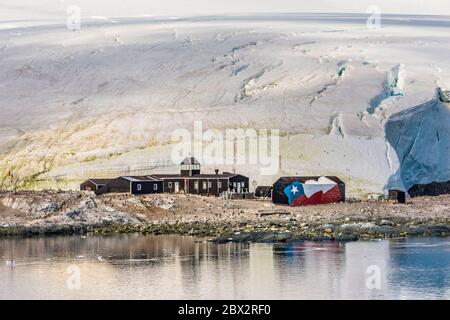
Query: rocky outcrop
(217,219)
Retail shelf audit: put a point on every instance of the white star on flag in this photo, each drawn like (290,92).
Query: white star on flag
(294,189)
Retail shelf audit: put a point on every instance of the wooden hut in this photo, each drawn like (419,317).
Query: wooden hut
(263,192)
(397,195)
(93,184)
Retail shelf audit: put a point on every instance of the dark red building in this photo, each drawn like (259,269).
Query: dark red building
(189,180)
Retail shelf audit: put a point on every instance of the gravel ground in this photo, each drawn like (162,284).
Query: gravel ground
(226,220)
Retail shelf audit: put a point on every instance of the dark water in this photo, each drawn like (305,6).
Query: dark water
(175,267)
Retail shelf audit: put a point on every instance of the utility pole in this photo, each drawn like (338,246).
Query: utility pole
(234,154)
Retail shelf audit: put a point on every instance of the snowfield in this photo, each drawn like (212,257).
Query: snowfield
(349,101)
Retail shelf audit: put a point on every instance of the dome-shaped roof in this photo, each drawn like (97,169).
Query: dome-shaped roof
(190,160)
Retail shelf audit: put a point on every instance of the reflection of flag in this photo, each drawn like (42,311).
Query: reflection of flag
(321,191)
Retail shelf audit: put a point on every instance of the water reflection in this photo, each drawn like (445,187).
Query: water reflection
(175,267)
(427,262)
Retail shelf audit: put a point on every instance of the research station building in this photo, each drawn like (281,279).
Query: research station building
(190,180)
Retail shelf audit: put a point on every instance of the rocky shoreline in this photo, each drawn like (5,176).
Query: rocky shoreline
(248,231)
(49,213)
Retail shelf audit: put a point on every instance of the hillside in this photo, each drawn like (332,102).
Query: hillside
(349,101)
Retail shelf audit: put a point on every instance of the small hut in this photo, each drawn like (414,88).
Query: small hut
(93,184)
(263,192)
(301,191)
(397,195)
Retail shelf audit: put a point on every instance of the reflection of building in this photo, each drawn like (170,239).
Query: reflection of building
(189,180)
(309,270)
(366,265)
(263,280)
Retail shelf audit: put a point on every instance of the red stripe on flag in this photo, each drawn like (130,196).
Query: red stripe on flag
(332,196)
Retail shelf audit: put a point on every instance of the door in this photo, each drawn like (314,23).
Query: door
(177,187)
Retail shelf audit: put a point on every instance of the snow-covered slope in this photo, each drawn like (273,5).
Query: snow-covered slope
(104,101)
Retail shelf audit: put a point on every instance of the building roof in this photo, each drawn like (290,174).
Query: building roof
(140,178)
(161,177)
(225,175)
(164,176)
(190,160)
(263,188)
(303,179)
(263,191)
(99,181)
(212,176)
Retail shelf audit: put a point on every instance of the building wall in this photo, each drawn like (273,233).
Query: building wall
(203,186)
(263,191)
(169,185)
(119,185)
(88,186)
(191,188)
(224,187)
(239,179)
(430,189)
(212,187)
(147,187)
(206,186)
(189,173)
(200,189)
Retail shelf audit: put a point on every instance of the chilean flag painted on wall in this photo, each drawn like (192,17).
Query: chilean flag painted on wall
(321,191)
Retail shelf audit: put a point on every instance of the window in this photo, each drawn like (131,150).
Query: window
(139,187)
(209,184)
(204,185)
(243,184)
(196,185)
(219,184)
(234,185)
(170,185)
(155,187)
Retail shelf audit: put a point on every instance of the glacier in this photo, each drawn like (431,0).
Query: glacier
(349,101)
